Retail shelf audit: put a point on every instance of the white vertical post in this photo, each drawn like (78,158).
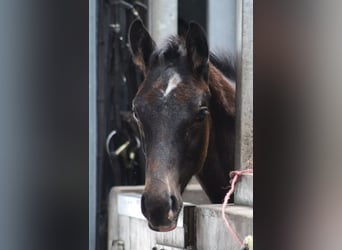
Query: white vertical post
(244,119)
(92,121)
(163,19)
(222,25)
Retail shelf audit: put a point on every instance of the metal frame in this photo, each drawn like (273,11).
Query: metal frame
(244,98)
(163,18)
(92,121)
(244,101)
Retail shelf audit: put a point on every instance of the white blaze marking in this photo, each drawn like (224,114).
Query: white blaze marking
(172,84)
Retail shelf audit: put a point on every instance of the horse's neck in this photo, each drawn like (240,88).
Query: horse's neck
(214,176)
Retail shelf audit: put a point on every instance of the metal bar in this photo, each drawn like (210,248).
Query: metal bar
(92,121)
(163,19)
(244,101)
(244,90)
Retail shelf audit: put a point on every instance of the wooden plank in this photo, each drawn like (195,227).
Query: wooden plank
(194,194)
(124,230)
(113,220)
(140,235)
(128,225)
(211,232)
(163,247)
(174,238)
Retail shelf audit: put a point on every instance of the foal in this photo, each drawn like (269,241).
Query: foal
(185,111)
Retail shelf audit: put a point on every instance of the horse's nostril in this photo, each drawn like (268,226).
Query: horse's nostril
(174,205)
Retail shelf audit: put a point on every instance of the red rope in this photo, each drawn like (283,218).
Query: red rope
(234,175)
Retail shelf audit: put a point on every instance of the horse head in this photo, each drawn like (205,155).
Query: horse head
(171,109)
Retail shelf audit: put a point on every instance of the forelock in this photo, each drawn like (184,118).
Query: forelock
(172,50)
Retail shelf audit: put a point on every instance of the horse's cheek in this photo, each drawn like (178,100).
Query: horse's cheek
(205,143)
(198,144)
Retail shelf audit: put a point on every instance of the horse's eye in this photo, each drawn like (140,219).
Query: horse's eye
(202,114)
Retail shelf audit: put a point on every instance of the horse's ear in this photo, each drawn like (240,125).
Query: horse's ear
(183,28)
(141,44)
(197,48)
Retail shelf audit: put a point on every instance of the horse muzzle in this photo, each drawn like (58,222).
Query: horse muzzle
(161,209)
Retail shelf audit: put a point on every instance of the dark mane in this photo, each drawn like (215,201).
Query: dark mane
(224,63)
